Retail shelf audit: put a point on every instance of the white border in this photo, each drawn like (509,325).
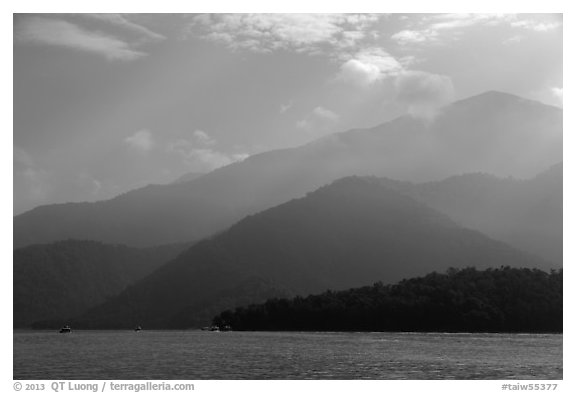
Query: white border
(6,169)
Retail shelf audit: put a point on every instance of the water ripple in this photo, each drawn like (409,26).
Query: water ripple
(284,355)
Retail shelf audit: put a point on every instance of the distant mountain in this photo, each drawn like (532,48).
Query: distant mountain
(66,278)
(347,234)
(494,133)
(467,300)
(526,214)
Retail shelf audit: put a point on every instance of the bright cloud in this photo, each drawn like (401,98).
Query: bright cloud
(456,21)
(368,66)
(307,33)
(55,32)
(546,26)
(142,141)
(558,92)
(405,37)
(360,73)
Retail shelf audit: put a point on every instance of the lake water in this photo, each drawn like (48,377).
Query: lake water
(284,355)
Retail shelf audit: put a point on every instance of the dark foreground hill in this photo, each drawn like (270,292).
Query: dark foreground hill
(67,278)
(495,133)
(468,300)
(347,234)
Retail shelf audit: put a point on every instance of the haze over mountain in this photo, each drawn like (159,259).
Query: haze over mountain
(66,278)
(495,133)
(350,233)
(526,214)
(188,177)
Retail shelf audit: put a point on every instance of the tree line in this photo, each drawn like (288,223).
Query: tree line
(461,300)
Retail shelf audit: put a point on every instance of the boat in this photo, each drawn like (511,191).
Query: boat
(213,328)
(66,329)
(137,328)
(217,328)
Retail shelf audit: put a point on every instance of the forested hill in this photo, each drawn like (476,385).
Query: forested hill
(344,235)
(66,278)
(468,300)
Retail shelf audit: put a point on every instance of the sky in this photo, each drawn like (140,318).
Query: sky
(105,103)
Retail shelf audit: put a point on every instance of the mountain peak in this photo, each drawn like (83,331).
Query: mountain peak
(497,98)
(495,132)
(497,93)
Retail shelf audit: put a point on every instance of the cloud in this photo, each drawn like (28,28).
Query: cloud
(368,66)
(423,93)
(55,32)
(30,181)
(239,156)
(457,21)
(144,34)
(202,138)
(431,27)
(546,26)
(434,27)
(306,33)
(558,92)
(200,159)
(199,153)
(406,37)
(285,107)
(89,184)
(534,22)
(512,40)
(326,114)
(141,141)
(36,183)
(319,120)
(536,25)
(22,159)
(378,73)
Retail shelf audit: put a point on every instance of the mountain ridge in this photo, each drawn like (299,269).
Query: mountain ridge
(403,149)
(342,235)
